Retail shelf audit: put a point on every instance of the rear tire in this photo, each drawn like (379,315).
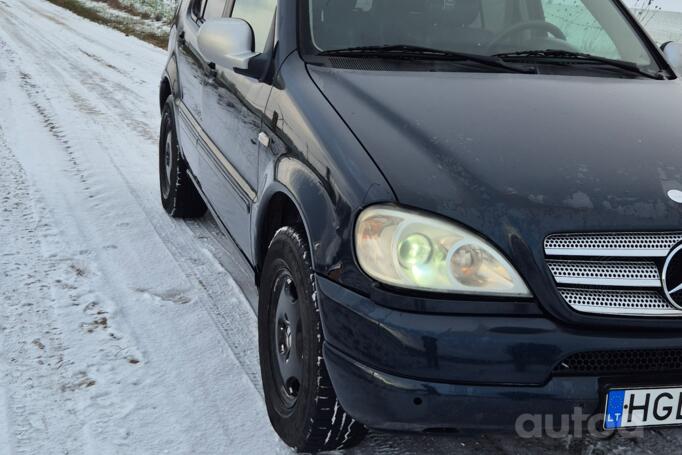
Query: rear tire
(179,196)
(299,395)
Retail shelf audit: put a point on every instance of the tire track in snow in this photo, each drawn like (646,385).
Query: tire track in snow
(223,300)
(35,371)
(40,103)
(236,322)
(60,277)
(108,91)
(86,140)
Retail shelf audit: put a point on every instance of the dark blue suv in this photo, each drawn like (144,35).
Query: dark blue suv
(458,212)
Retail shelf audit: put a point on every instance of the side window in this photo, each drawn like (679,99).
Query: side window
(198,9)
(259,14)
(214,9)
(494,15)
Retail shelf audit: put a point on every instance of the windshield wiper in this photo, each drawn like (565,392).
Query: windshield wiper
(404,51)
(582,57)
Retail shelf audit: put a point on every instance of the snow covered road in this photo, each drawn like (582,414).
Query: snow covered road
(123,331)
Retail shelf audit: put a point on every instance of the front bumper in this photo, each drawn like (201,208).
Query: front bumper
(399,370)
(387,402)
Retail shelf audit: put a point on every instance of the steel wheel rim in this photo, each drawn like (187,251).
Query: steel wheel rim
(286,341)
(167,161)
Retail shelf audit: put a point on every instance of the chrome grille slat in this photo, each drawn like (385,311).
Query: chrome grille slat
(612,273)
(654,245)
(619,302)
(602,273)
(608,253)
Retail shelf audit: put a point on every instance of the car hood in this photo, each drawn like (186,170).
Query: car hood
(518,157)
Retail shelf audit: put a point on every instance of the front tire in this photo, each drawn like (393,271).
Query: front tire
(299,395)
(179,196)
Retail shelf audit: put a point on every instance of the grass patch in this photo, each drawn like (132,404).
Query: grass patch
(117,4)
(129,27)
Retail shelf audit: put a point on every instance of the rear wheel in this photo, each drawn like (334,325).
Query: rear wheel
(179,196)
(299,395)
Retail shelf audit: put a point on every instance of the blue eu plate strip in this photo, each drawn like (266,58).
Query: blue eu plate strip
(614,409)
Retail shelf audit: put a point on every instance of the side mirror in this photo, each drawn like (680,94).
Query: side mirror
(673,53)
(227,42)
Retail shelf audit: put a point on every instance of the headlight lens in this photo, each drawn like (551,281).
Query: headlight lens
(409,250)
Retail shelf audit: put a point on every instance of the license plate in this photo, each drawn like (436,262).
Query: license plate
(643,407)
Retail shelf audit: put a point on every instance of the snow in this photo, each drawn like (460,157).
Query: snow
(163,9)
(110,340)
(123,331)
(4,426)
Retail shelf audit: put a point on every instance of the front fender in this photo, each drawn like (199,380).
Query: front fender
(316,161)
(328,219)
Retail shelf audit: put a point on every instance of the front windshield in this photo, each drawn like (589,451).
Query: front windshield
(485,27)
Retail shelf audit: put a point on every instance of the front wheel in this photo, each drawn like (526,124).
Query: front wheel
(299,395)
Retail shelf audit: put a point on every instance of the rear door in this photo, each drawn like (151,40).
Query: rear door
(233,106)
(192,77)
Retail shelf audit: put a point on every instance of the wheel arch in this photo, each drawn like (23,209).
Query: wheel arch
(169,82)
(297,197)
(164,91)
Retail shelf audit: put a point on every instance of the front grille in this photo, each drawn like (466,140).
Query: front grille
(621,362)
(612,273)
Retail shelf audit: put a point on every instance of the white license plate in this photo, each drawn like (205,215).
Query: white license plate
(643,407)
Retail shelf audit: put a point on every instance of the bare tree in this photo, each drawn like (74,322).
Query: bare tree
(646,10)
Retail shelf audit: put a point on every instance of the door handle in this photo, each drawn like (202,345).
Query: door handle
(212,72)
(264,139)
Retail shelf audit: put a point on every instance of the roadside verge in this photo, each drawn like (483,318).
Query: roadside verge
(115,15)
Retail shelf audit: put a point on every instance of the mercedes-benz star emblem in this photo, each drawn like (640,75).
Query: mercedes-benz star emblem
(672,277)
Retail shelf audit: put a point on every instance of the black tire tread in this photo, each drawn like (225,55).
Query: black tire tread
(184,201)
(328,426)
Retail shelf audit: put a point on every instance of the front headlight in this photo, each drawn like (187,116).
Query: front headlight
(406,249)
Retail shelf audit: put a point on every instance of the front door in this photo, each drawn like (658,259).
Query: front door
(233,106)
